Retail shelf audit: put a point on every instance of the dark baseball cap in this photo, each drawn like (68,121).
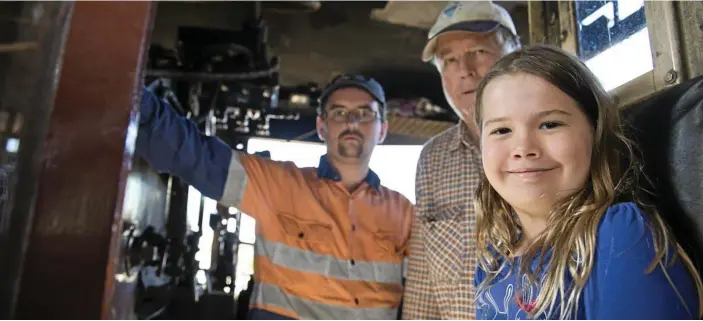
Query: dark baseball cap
(368,84)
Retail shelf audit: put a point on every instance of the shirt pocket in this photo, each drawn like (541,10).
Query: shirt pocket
(387,245)
(307,232)
(445,250)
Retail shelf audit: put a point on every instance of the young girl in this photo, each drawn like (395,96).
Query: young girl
(561,233)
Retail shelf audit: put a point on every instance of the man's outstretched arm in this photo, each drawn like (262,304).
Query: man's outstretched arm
(173,144)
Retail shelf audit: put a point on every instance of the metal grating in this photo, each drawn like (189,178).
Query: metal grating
(416,127)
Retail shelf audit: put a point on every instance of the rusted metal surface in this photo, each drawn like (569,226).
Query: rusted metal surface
(32,35)
(664,38)
(690,21)
(74,245)
(543,17)
(535,16)
(568,35)
(551,23)
(633,91)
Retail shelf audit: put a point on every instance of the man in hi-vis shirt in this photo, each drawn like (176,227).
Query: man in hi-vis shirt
(331,240)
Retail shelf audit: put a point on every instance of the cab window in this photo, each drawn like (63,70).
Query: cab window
(614,40)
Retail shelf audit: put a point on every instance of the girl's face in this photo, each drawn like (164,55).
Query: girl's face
(536,143)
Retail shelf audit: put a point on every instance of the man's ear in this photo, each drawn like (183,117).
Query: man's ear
(384,132)
(321,129)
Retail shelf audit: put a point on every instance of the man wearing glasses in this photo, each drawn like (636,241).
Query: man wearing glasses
(330,240)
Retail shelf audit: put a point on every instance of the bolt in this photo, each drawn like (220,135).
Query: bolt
(670,76)
(564,35)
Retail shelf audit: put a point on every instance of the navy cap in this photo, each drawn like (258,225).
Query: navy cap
(370,85)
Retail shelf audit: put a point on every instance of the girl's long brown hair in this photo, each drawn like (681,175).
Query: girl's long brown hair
(572,223)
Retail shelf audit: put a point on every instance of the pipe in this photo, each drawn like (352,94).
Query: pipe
(206,76)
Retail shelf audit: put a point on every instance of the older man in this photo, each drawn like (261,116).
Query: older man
(464,43)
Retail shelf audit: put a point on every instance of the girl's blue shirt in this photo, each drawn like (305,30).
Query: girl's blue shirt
(618,287)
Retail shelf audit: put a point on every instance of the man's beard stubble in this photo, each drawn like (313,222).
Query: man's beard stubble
(350,151)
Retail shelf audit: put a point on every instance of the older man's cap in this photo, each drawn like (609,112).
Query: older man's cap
(473,16)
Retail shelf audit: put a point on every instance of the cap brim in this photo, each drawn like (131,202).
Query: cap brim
(346,84)
(468,26)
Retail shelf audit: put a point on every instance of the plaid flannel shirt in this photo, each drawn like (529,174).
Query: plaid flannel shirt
(442,262)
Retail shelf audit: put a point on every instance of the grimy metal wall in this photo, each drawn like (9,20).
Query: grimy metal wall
(32,36)
(76,83)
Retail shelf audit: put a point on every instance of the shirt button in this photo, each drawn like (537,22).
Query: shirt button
(352,262)
(356,301)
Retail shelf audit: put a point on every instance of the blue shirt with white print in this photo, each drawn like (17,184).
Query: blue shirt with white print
(618,287)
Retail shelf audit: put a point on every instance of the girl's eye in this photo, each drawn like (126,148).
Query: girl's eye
(500,131)
(550,125)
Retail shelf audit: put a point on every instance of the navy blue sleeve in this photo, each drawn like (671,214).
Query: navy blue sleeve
(619,287)
(173,144)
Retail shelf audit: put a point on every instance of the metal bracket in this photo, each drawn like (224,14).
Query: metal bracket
(664,39)
(568,34)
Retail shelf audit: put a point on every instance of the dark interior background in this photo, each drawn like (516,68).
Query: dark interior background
(318,40)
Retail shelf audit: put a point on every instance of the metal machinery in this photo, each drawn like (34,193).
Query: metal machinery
(88,231)
(228,84)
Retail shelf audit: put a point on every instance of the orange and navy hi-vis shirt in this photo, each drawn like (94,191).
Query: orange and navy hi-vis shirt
(322,252)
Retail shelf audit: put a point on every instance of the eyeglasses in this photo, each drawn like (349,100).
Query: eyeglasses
(341,115)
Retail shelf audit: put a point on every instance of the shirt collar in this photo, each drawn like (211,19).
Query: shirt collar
(326,170)
(462,137)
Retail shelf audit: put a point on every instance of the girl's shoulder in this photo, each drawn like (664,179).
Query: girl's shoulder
(623,214)
(622,226)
